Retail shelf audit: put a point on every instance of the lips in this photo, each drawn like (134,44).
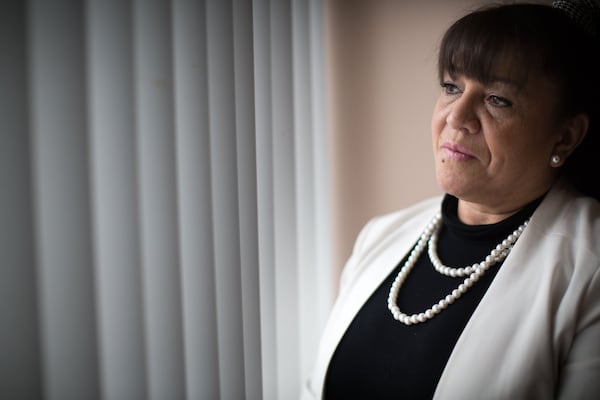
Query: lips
(457,152)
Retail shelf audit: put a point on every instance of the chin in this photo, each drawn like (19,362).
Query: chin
(450,185)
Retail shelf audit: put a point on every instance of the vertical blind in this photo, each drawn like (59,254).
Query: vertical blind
(164,218)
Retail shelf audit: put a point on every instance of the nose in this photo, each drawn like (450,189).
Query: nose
(463,114)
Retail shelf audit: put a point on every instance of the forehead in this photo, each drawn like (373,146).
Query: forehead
(496,44)
(506,66)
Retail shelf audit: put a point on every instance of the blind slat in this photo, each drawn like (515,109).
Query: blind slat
(265,198)
(285,205)
(157,199)
(115,212)
(195,204)
(61,200)
(20,372)
(223,156)
(247,195)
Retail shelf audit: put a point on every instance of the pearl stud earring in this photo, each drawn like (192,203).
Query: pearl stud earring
(555,159)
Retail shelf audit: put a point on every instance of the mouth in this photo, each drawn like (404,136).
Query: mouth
(456,152)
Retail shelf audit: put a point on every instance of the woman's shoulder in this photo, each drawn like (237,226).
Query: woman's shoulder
(568,213)
(569,223)
(580,222)
(386,231)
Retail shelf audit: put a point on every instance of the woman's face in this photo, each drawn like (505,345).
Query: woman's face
(493,142)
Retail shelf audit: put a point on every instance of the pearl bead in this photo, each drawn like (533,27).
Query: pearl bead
(429,238)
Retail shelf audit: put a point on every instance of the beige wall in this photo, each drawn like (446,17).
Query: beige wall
(382,87)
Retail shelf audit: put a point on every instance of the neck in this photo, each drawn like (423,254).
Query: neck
(477,214)
(484,210)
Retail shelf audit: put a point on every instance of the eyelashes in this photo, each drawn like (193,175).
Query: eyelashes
(498,101)
(452,89)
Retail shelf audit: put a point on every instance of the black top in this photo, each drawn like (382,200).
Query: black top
(381,358)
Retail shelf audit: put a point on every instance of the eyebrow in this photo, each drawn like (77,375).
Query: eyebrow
(493,79)
(505,81)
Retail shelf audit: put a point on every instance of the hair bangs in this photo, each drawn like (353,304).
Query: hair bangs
(490,47)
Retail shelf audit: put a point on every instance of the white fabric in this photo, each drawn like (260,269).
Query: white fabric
(536,332)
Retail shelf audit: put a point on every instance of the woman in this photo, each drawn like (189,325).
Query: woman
(493,290)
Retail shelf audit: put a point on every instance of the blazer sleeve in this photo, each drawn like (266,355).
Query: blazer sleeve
(580,374)
(359,248)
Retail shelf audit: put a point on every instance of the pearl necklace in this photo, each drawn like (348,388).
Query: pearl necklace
(429,238)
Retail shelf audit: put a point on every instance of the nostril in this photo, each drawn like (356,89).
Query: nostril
(463,120)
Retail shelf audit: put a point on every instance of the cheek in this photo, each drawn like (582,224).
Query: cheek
(508,153)
(438,121)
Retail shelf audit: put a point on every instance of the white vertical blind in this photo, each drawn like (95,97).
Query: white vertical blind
(313,257)
(116,233)
(20,362)
(195,204)
(61,200)
(265,190)
(247,195)
(164,216)
(157,197)
(223,157)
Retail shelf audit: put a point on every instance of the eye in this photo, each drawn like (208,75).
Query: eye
(450,88)
(498,101)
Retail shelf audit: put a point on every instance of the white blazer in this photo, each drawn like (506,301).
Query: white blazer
(536,332)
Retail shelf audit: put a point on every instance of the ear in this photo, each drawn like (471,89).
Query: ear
(573,133)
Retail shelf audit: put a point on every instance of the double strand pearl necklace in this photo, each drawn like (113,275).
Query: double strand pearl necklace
(429,238)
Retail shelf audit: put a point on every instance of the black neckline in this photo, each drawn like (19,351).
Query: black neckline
(485,232)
